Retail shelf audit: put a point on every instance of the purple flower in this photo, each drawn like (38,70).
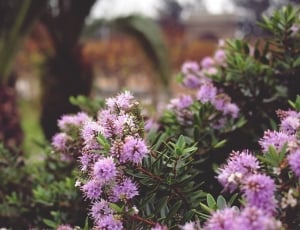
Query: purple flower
(294,161)
(182,102)
(207,93)
(92,189)
(105,169)
(89,132)
(64,227)
(220,56)
(159,227)
(207,62)
(109,222)
(116,149)
(220,103)
(191,81)
(77,120)
(290,122)
(231,109)
(108,120)
(134,150)
(191,226)
(259,191)
(151,125)
(222,220)
(253,218)
(239,166)
(60,140)
(121,102)
(85,160)
(100,209)
(189,67)
(274,139)
(124,190)
(211,71)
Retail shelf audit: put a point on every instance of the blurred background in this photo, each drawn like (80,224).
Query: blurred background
(53,49)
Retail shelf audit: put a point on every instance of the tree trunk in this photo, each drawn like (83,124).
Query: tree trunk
(11,133)
(66,75)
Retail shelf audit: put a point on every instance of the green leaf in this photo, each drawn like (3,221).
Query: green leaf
(296,63)
(174,209)
(86,224)
(221,202)
(116,207)
(104,142)
(232,199)
(220,144)
(50,223)
(212,204)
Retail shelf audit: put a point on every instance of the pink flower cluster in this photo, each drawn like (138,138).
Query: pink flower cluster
(196,78)
(112,141)
(288,135)
(108,144)
(242,171)
(249,218)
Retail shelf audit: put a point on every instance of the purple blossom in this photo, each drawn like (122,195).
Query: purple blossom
(191,226)
(220,56)
(290,122)
(60,141)
(134,150)
(189,67)
(89,132)
(105,169)
(116,149)
(64,227)
(220,103)
(121,102)
(274,139)
(239,166)
(182,102)
(77,120)
(222,220)
(108,120)
(294,161)
(100,209)
(151,125)
(207,93)
(211,71)
(220,123)
(85,160)
(207,62)
(221,43)
(92,189)
(124,190)
(259,191)
(191,81)
(231,109)
(253,218)
(125,120)
(109,222)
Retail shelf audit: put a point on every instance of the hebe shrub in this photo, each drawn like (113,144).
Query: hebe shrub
(164,173)
(232,99)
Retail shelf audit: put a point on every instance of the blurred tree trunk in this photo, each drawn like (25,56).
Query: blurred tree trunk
(16,20)
(66,73)
(10,128)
